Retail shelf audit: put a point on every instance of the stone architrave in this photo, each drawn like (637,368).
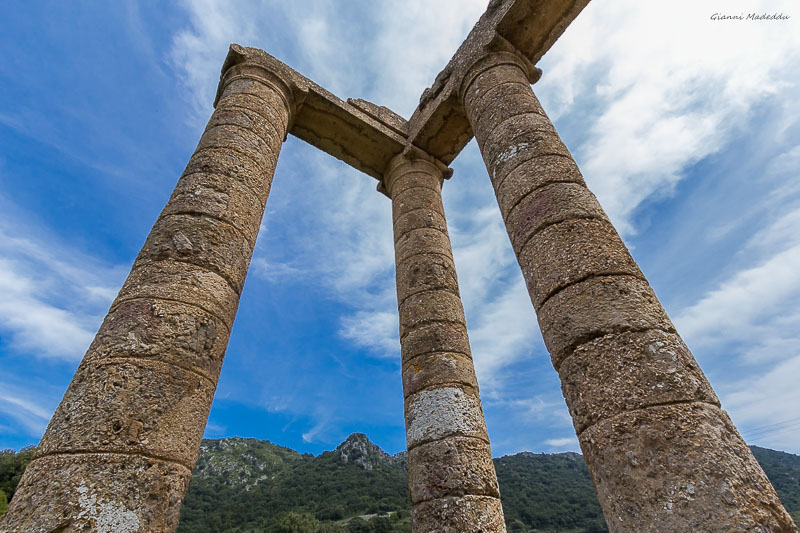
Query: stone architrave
(119,450)
(662,453)
(451,476)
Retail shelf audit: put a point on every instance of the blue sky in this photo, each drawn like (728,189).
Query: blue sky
(686,128)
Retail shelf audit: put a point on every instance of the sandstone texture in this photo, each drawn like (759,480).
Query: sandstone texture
(120,448)
(449,460)
(662,455)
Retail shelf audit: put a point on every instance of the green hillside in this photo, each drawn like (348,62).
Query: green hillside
(246,485)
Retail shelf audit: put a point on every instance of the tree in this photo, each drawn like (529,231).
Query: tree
(296,523)
(3,502)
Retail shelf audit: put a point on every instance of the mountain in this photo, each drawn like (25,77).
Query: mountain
(246,485)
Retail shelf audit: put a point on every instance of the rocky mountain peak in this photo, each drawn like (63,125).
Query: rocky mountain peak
(358,449)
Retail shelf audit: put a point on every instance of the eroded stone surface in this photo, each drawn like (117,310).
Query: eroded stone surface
(437,369)
(565,253)
(437,413)
(549,205)
(631,370)
(595,307)
(465,514)
(161,330)
(425,272)
(454,466)
(132,406)
(419,219)
(678,468)
(102,493)
(436,336)
(534,174)
(412,198)
(424,307)
(203,241)
(423,240)
(182,282)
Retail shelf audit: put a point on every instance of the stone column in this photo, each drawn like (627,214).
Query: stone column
(662,454)
(120,449)
(451,476)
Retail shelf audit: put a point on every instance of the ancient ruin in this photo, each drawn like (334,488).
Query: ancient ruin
(663,456)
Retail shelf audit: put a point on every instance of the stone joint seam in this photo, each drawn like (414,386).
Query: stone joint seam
(594,336)
(281,91)
(199,264)
(512,117)
(237,151)
(432,289)
(446,384)
(138,360)
(226,174)
(417,254)
(243,128)
(487,109)
(425,208)
(453,434)
(254,132)
(474,71)
(437,191)
(612,274)
(200,214)
(537,189)
(119,302)
(430,352)
(114,451)
(555,222)
(429,322)
(526,160)
(223,105)
(646,407)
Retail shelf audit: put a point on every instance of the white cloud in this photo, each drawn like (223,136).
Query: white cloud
(53,297)
(27,412)
(565,443)
(655,108)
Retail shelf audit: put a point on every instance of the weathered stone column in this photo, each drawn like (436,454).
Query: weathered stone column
(662,454)
(451,476)
(119,450)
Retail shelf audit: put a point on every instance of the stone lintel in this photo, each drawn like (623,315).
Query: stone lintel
(362,134)
(529,28)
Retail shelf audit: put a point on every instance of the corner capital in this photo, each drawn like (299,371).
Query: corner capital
(254,64)
(412,159)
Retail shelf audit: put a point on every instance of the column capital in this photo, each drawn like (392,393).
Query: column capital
(498,52)
(412,159)
(254,64)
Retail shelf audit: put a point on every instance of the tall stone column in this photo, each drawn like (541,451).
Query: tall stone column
(662,454)
(120,449)
(451,476)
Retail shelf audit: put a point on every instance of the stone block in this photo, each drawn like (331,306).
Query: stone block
(422,240)
(416,198)
(411,179)
(595,307)
(677,468)
(425,272)
(434,414)
(436,370)
(431,306)
(533,174)
(273,98)
(228,115)
(241,140)
(132,406)
(454,466)
(549,205)
(253,174)
(97,492)
(631,370)
(181,282)
(465,514)
(161,330)
(270,106)
(418,219)
(222,197)
(501,102)
(200,240)
(503,155)
(435,337)
(570,251)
